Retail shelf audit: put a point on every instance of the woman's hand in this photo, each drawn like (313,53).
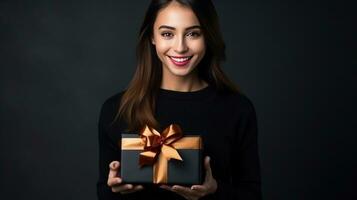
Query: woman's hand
(196,191)
(115,182)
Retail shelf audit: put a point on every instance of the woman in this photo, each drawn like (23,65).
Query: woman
(179,80)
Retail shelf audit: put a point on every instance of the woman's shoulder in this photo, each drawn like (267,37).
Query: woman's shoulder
(113,100)
(108,115)
(243,101)
(245,106)
(238,101)
(110,106)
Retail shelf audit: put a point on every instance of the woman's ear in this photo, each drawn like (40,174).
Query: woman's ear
(152,41)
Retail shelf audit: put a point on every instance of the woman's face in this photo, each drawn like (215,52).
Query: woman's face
(178,40)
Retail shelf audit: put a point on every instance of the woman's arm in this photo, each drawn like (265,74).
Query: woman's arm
(244,183)
(245,169)
(108,152)
(109,184)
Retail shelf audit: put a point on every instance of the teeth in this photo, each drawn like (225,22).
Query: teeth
(180,59)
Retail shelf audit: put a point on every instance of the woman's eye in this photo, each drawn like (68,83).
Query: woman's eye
(166,34)
(193,34)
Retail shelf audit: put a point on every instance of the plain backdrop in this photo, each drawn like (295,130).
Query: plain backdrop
(61,59)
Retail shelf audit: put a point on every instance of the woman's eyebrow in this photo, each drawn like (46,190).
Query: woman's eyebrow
(173,28)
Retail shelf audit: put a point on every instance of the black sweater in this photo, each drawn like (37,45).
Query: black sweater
(230,127)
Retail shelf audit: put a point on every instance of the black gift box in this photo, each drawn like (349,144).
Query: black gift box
(186,172)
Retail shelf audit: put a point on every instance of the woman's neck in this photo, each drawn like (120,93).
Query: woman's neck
(183,84)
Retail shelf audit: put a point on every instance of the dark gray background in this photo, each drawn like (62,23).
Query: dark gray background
(60,60)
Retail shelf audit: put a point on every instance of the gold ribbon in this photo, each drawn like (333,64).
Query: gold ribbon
(158,148)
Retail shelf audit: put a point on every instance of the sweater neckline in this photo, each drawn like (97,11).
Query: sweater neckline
(198,94)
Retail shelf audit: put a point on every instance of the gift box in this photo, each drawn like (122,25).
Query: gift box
(169,157)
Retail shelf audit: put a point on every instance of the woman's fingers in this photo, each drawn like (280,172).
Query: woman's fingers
(127,188)
(115,182)
(113,178)
(208,166)
(135,189)
(166,187)
(122,187)
(138,187)
(199,188)
(196,191)
(187,192)
(113,169)
(210,184)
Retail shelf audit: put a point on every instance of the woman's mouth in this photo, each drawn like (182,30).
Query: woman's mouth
(180,61)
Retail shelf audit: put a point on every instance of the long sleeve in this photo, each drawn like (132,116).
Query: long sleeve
(245,183)
(108,152)
(108,149)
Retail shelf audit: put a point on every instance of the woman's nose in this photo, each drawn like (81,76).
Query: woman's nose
(180,46)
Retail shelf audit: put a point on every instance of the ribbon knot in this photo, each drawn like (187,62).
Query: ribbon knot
(161,140)
(156,144)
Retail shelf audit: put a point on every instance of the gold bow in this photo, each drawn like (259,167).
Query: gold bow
(154,143)
(158,148)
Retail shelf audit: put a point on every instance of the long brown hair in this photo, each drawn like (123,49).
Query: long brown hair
(137,104)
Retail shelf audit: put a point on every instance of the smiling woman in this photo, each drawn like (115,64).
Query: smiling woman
(179,84)
(178,41)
